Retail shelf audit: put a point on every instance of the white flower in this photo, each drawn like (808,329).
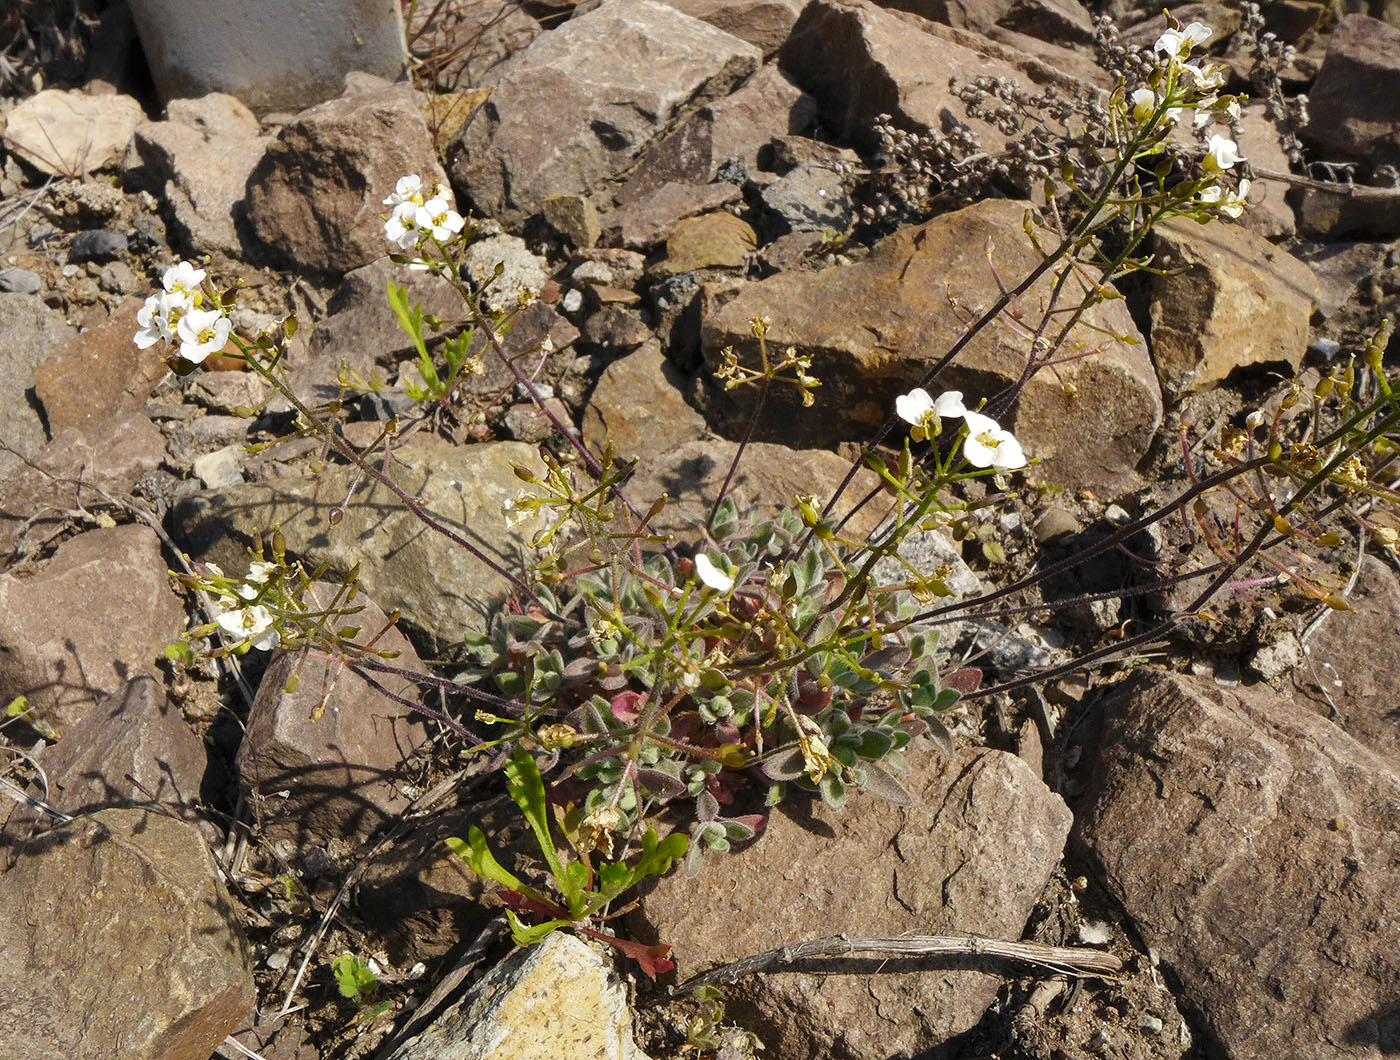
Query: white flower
(1144,101)
(202,332)
(918,408)
(988,445)
(253,624)
(1178,43)
(259,571)
(1221,154)
(182,278)
(712,575)
(154,318)
(404,226)
(1229,203)
(408,189)
(441,221)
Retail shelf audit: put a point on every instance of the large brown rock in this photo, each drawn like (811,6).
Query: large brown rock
(970,855)
(1339,677)
(331,751)
(860,61)
(31,331)
(1226,298)
(1354,106)
(437,584)
(1256,848)
(874,328)
(763,23)
(639,406)
(110,456)
(100,373)
(317,196)
(132,749)
(98,612)
(202,156)
(120,941)
(579,105)
(692,474)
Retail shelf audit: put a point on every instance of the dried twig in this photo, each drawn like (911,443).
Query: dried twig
(1061,960)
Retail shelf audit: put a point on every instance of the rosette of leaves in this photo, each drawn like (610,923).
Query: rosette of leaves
(659,690)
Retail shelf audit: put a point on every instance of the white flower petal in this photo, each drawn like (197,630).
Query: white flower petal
(913,406)
(949,405)
(711,575)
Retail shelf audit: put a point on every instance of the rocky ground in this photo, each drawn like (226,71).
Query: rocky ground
(1222,813)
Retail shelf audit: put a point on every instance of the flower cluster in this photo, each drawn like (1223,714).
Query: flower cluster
(177,314)
(244,620)
(987,444)
(420,214)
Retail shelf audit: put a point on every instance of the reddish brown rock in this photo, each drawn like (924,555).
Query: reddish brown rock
(607,82)
(97,613)
(970,855)
(1354,106)
(1256,848)
(109,455)
(325,760)
(317,197)
(100,373)
(126,943)
(1226,299)
(873,328)
(131,749)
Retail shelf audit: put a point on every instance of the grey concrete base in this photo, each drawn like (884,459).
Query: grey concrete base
(271,54)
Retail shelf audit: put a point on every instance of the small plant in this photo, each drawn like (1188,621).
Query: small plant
(355,978)
(583,889)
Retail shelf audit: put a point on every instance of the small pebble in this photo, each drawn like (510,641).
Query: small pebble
(95,244)
(20,281)
(1150,1025)
(1325,349)
(572,301)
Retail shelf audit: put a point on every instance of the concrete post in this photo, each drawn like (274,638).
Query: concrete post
(274,55)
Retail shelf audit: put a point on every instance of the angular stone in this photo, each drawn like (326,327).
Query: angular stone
(100,611)
(810,198)
(1268,213)
(768,104)
(769,475)
(128,895)
(969,855)
(860,61)
(714,240)
(325,760)
(1254,846)
(1227,298)
(976,15)
(522,271)
(436,583)
(1059,21)
(459,41)
(615,327)
(95,244)
(272,57)
(100,373)
(132,749)
(575,218)
(650,220)
(554,999)
(638,406)
(202,156)
(317,196)
(1340,679)
(763,23)
(109,455)
(873,329)
(70,133)
(610,80)
(1354,105)
(31,330)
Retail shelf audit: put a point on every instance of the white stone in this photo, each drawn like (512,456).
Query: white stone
(70,133)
